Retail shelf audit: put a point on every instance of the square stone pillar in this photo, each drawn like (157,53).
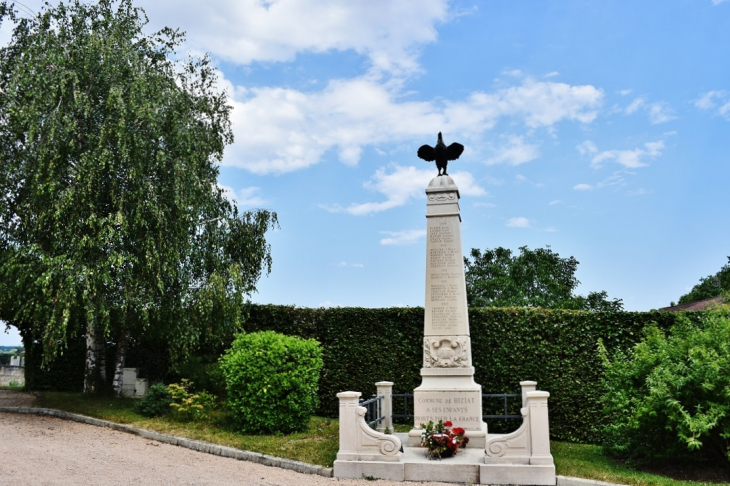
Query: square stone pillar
(385,390)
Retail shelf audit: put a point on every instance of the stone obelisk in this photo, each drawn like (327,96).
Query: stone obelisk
(448,390)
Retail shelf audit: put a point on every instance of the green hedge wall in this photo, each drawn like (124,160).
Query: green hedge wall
(556,348)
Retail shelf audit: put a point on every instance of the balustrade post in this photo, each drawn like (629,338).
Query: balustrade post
(349,403)
(385,390)
(527,386)
(539,427)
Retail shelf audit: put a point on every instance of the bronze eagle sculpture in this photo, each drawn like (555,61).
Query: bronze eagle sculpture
(440,153)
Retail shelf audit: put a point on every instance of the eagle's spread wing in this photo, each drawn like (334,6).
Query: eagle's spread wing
(427,153)
(453,151)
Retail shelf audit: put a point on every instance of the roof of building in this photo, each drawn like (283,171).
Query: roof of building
(695,306)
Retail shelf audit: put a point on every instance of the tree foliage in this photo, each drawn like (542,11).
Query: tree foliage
(667,398)
(710,286)
(534,278)
(111,220)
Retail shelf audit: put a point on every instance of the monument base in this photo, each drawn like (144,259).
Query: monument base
(449,394)
(466,467)
(477,438)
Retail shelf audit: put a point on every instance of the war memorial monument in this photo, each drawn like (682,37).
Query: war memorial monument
(448,391)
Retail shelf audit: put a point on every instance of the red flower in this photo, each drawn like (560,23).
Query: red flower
(448,423)
(458,431)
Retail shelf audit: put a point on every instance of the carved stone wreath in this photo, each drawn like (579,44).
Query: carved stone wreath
(446,352)
(442,197)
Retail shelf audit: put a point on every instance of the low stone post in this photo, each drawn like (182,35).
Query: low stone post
(527,386)
(385,390)
(349,404)
(539,428)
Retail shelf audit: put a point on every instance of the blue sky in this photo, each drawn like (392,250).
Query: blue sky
(600,128)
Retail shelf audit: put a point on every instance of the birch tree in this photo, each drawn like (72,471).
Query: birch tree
(110,214)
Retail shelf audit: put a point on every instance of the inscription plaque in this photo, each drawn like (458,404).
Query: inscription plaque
(463,408)
(446,310)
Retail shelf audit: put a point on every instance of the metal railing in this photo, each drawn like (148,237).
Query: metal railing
(506,415)
(374,406)
(405,414)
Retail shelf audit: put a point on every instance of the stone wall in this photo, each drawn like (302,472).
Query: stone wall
(8,373)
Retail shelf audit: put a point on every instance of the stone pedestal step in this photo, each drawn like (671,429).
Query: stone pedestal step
(465,467)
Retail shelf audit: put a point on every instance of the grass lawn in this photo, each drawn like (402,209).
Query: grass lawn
(318,444)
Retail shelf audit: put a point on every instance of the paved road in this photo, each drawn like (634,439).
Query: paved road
(40,450)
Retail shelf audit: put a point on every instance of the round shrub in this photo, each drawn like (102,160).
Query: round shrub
(272,381)
(669,398)
(155,403)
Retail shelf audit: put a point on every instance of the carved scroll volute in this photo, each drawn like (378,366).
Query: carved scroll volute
(446,352)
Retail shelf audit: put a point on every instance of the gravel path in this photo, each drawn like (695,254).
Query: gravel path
(39,450)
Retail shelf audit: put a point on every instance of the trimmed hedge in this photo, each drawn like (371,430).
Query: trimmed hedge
(556,348)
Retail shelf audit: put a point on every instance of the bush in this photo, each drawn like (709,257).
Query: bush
(187,406)
(669,397)
(272,381)
(155,403)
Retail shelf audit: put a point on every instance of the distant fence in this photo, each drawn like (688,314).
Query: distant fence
(12,375)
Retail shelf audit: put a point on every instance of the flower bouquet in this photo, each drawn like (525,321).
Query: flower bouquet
(440,440)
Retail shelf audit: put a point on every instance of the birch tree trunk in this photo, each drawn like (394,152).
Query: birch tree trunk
(95,370)
(121,355)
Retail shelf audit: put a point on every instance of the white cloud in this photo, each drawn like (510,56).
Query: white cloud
(639,192)
(583,187)
(634,105)
(625,92)
(247,197)
(718,2)
(401,184)
(514,152)
(725,110)
(631,159)
(660,113)
(708,101)
(350,265)
(388,33)
(518,222)
(587,147)
(616,179)
(280,130)
(401,238)
(552,74)
(515,73)
(554,202)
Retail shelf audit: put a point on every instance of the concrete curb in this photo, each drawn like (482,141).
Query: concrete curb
(196,445)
